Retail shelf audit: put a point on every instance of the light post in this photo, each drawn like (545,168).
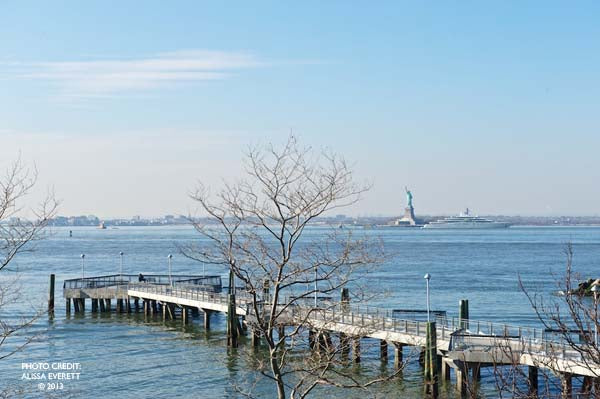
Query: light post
(595,290)
(427,277)
(82,266)
(170,278)
(316,287)
(121,269)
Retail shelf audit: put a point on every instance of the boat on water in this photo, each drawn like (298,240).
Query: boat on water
(466,221)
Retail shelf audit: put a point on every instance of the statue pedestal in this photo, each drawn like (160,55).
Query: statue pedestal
(408,219)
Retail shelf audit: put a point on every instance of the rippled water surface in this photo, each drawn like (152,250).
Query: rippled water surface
(122,356)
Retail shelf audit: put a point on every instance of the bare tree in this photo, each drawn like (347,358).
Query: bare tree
(289,281)
(568,347)
(20,227)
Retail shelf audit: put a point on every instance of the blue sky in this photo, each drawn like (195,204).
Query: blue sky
(125,105)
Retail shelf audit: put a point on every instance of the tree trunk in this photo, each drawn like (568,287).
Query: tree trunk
(277,376)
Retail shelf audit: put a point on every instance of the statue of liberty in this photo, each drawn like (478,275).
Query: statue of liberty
(409,197)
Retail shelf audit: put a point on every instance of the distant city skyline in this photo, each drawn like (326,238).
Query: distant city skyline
(488,106)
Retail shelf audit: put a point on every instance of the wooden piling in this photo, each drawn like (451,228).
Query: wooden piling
(119,305)
(533,381)
(398,358)
(464,313)
(431,364)
(107,305)
(164,312)
(356,349)
(567,385)
(102,304)
(206,318)
(76,305)
(184,315)
(232,330)
(94,305)
(462,378)
(51,296)
(68,306)
(586,387)
(254,337)
(136,304)
(345,346)
(383,350)
(445,372)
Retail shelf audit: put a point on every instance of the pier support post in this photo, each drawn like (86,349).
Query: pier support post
(128,304)
(102,304)
(146,307)
(567,385)
(431,364)
(462,377)
(254,337)
(164,312)
(136,304)
(68,306)
(345,346)
(206,319)
(476,371)
(383,350)
(76,305)
(533,381)
(445,372)
(464,313)
(94,305)
(586,387)
(184,315)
(311,339)
(356,349)
(232,328)
(107,300)
(51,295)
(398,358)
(119,305)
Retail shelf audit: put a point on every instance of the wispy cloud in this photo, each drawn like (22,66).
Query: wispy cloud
(110,77)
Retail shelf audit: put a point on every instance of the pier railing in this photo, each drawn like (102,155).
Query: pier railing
(209,282)
(184,292)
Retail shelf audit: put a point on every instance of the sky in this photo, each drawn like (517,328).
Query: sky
(125,106)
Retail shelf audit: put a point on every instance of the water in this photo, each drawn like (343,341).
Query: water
(122,356)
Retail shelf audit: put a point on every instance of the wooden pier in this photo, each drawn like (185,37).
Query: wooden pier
(459,343)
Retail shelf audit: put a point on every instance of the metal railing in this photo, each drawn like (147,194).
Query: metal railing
(209,282)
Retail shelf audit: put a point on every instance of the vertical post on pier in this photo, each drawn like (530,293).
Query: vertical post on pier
(184,315)
(128,304)
(51,296)
(164,312)
(136,304)
(431,364)
(462,377)
(119,305)
(206,319)
(567,385)
(586,387)
(76,305)
(68,306)
(232,328)
(107,300)
(383,350)
(345,308)
(94,305)
(464,313)
(102,304)
(356,349)
(533,381)
(445,372)
(398,359)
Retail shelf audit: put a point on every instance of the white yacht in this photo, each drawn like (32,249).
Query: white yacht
(466,221)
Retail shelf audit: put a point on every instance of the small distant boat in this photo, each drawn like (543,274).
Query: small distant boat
(466,221)
(102,226)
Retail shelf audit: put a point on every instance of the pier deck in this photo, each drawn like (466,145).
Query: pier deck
(460,342)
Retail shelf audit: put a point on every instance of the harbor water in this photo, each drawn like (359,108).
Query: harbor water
(121,356)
